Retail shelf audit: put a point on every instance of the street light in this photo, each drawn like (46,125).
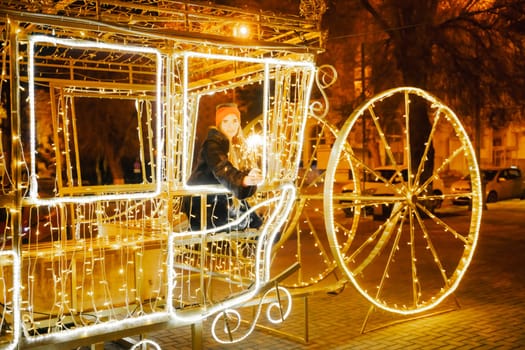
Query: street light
(241,30)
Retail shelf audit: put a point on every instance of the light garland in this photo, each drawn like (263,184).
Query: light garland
(119,260)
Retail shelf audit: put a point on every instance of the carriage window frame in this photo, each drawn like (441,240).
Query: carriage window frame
(106,192)
(190,129)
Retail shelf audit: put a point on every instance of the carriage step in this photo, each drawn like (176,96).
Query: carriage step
(191,239)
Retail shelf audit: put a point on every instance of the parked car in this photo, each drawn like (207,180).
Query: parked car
(500,183)
(377,186)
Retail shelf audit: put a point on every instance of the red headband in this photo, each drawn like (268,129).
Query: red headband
(224,110)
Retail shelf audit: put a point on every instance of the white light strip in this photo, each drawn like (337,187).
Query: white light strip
(284,199)
(270,307)
(273,61)
(186,118)
(107,327)
(234,223)
(146,343)
(266,106)
(279,216)
(159,125)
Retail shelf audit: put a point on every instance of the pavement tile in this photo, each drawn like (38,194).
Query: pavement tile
(491,316)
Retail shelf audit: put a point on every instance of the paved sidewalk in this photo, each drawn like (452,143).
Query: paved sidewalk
(491,313)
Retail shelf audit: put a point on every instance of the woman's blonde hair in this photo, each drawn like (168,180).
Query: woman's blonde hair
(238,151)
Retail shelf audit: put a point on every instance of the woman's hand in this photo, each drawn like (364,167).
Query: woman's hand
(253,178)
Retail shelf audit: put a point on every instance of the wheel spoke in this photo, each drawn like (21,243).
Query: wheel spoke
(446,227)
(428,144)
(408,148)
(413,260)
(381,135)
(391,255)
(446,162)
(428,240)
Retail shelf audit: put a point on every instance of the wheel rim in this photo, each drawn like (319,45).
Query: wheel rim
(414,258)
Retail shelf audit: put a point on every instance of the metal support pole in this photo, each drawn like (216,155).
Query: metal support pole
(15,205)
(97,346)
(306,320)
(196,328)
(477,133)
(196,336)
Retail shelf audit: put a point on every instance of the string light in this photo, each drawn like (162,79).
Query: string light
(98,276)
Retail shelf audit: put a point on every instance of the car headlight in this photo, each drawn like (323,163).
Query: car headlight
(460,188)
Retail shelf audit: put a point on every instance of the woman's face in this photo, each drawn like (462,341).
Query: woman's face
(230,126)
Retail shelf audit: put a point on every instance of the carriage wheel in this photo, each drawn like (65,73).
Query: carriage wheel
(394,232)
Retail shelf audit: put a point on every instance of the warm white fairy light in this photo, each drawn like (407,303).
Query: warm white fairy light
(112,226)
(33,40)
(91,263)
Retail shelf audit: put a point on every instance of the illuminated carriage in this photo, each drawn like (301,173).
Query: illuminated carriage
(85,258)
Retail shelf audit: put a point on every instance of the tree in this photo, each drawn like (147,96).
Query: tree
(107,132)
(467,52)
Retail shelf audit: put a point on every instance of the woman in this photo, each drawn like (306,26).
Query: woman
(220,162)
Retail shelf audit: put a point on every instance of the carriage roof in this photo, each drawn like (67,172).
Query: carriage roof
(168,26)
